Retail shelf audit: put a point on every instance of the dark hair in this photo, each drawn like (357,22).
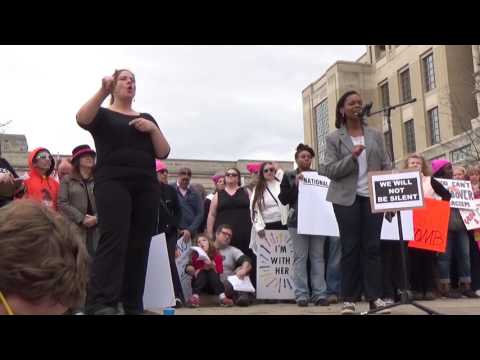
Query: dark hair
(239,175)
(185,170)
(223,226)
(303,147)
(339,118)
(260,187)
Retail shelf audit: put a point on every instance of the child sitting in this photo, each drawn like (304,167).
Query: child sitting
(206,273)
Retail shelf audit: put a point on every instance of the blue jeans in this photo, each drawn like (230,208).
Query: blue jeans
(333,265)
(457,244)
(304,247)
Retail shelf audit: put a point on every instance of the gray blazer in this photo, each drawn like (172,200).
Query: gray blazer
(342,168)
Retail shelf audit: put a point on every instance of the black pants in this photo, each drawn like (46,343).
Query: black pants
(474,262)
(392,268)
(171,247)
(127,215)
(422,268)
(207,281)
(360,237)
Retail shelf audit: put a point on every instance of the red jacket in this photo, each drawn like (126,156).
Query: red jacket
(200,264)
(42,188)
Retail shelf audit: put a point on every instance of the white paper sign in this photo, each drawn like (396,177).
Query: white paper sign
(275,266)
(315,213)
(202,255)
(238,284)
(471,218)
(159,291)
(181,262)
(461,191)
(316,216)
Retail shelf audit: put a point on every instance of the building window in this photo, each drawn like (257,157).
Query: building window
(384,95)
(380,52)
(429,72)
(442,156)
(410,136)
(321,116)
(434,126)
(388,148)
(461,153)
(406,91)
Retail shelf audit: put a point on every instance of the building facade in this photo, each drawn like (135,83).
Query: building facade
(441,122)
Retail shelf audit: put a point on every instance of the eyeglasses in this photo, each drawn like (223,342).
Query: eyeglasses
(267,170)
(231,174)
(227,234)
(44,156)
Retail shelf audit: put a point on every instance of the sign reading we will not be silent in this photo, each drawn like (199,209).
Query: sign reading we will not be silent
(395,191)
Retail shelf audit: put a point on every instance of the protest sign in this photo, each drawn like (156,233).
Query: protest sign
(471,218)
(431,226)
(316,215)
(461,191)
(159,291)
(393,191)
(183,248)
(275,266)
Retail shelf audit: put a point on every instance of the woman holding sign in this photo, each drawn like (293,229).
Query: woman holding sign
(352,151)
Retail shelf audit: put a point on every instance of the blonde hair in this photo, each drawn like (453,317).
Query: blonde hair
(115,76)
(425,166)
(461,168)
(41,255)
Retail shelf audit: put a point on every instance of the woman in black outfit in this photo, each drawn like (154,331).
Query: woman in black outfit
(126,192)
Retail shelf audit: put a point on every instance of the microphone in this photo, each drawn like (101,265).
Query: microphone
(365,110)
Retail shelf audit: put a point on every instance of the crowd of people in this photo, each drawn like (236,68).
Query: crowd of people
(75,238)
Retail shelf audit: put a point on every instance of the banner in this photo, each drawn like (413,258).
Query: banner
(275,266)
(395,191)
(159,291)
(471,218)
(316,216)
(431,226)
(461,191)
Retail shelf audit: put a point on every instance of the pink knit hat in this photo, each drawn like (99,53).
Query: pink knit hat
(217,177)
(159,165)
(438,165)
(253,168)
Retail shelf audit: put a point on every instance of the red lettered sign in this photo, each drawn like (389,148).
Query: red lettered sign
(430,226)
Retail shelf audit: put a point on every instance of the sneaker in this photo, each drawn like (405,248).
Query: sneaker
(178,303)
(388,301)
(302,302)
(322,302)
(332,299)
(477,292)
(378,305)
(242,301)
(348,308)
(429,296)
(226,302)
(194,301)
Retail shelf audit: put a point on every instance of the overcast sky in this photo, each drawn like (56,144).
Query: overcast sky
(211,102)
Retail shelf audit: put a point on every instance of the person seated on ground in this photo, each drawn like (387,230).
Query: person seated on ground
(43,261)
(235,262)
(206,273)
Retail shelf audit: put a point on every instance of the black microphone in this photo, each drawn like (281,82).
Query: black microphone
(365,110)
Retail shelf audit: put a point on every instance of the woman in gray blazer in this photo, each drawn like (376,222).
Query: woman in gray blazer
(352,151)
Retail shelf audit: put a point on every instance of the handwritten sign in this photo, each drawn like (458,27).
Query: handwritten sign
(275,266)
(471,218)
(431,226)
(461,191)
(182,261)
(395,191)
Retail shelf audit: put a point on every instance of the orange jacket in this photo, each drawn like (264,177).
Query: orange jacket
(42,188)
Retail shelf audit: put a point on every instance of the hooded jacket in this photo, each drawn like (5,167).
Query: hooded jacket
(39,187)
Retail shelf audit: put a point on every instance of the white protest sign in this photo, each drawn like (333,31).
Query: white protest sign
(275,266)
(390,229)
(461,191)
(471,218)
(315,213)
(391,191)
(159,291)
(182,262)
(316,216)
